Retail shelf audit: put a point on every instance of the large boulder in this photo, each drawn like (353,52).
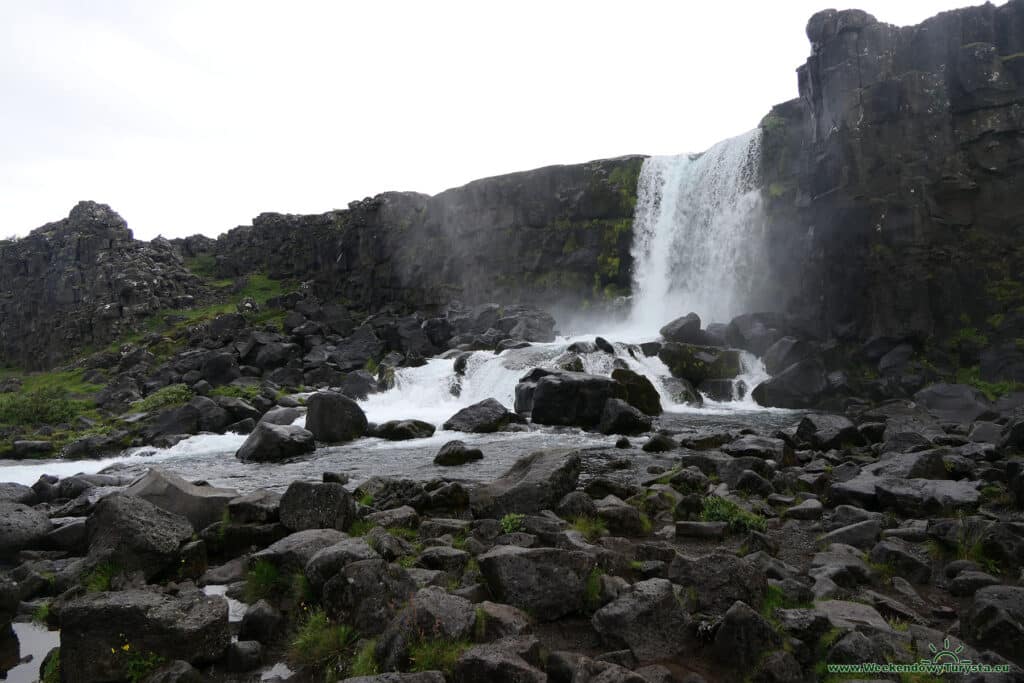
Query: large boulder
(102,634)
(402,430)
(535,482)
(743,637)
(334,417)
(457,453)
(685,330)
(640,393)
(293,552)
(326,563)
(367,594)
(801,385)
(755,332)
(307,505)
(484,417)
(786,352)
(647,618)
(714,582)
(357,350)
(573,398)
(619,417)
(21,527)
(273,443)
(954,403)
(698,363)
(133,534)
(200,505)
(825,432)
(433,611)
(995,619)
(547,583)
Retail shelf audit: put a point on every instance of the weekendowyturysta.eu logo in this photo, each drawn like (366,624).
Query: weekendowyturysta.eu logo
(945,660)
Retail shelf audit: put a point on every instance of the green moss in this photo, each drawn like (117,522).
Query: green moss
(360,527)
(365,661)
(202,266)
(51,672)
(371,366)
(404,533)
(165,397)
(139,665)
(592,590)
(992,390)
(772,123)
(592,528)
(480,624)
(625,178)
(968,336)
(718,509)
(41,614)
(246,393)
(366,499)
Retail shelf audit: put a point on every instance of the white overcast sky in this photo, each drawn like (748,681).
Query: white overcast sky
(193,117)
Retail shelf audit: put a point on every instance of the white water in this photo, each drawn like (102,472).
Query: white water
(697,234)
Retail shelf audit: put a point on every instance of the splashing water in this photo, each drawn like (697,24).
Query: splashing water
(697,234)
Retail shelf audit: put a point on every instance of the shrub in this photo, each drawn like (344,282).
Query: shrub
(512,522)
(321,645)
(172,395)
(592,528)
(722,510)
(37,407)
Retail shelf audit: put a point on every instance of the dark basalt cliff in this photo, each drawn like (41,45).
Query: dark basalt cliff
(560,233)
(82,282)
(895,182)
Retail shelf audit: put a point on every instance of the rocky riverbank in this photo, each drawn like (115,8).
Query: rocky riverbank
(866,534)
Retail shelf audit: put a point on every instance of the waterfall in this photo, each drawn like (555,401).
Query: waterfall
(697,234)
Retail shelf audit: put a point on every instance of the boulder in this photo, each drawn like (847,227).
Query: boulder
(685,330)
(21,527)
(484,417)
(786,352)
(619,417)
(535,482)
(357,350)
(698,363)
(135,535)
(755,332)
(573,398)
(647,618)
(200,505)
(293,552)
(457,453)
(307,505)
(272,443)
(403,430)
(511,659)
(431,610)
(801,385)
(100,630)
(259,507)
(640,393)
(743,637)
(367,594)
(995,620)
(547,583)
(334,418)
(717,581)
(825,432)
(958,403)
(11,492)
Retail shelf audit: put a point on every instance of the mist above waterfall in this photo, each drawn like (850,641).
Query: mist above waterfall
(698,233)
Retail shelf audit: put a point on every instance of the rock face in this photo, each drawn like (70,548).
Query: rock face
(878,102)
(83,281)
(96,626)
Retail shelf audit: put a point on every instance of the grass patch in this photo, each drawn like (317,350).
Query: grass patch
(140,665)
(592,590)
(246,393)
(365,661)
(436,655)
(262,582)
(171,395)
(99,579)
(512,522)
(51,672)
(722,510)
(992,390)
(592,528)
(360,527)
(41,614)
(321,645)
(366,500)
(404,533)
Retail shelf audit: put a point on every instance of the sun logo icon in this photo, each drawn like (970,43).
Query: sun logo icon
(946,655)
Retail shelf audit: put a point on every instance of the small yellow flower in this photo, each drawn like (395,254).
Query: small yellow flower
(113,651)
(126,647)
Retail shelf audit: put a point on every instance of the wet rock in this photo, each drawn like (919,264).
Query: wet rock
(647,618)
(548,583)
(281,415)
(573,398)
(259,507)
(402,430)
(535,482)
(685,330)
(659,443)
(958,403)
(262,622)
(620,417)
(640,393)
(825,432)
(801,385)
(698,363)
(135,535)
(308,505)
(94,627)
(484,417)
(200,505)
(334,418)
(786,352)
(326,563)
(457,453)
(273,443)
